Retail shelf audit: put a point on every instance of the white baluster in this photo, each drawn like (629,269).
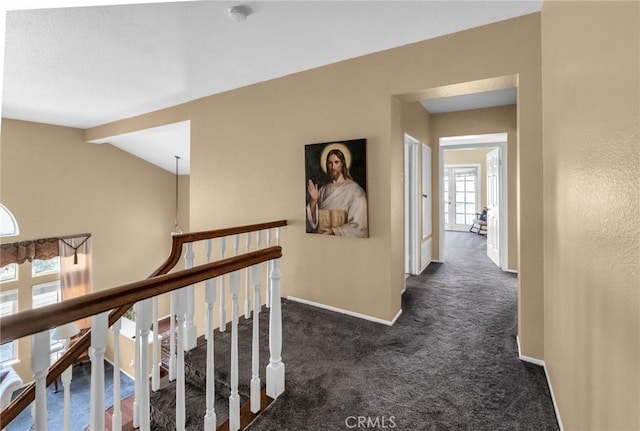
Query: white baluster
(210,299)
(208,324)
(143,322)
(66,388)
(137,374)
(180,380)
(40,361)
(66,377)
(268,298)
(99,327)
(155,366)
(223,313)
(255,357)
(116,418)
(275,369)
(258,246)
(247,289)
(191,332)
(172,339)
(234,398)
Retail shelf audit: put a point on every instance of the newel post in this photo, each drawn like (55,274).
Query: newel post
(275,369)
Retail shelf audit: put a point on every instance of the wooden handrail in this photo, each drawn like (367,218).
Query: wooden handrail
(120,306)
(179,240)
(32,321)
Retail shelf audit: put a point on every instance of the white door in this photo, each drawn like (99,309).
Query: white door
(426,192)
(411,205)
(461,196)
(493,205)
(407,207)
(426,207)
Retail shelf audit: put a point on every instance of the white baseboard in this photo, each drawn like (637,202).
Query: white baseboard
(553,399)
(347,312)
(546,374)
(513,271)
(121,370)
(437,261)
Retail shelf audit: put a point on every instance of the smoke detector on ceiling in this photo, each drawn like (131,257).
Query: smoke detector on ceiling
(239,13)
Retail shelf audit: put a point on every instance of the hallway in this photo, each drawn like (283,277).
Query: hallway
(449,363)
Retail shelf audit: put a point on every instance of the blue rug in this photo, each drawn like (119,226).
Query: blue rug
(80,395)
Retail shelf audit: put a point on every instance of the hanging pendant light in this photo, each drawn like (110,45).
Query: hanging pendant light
(176,230)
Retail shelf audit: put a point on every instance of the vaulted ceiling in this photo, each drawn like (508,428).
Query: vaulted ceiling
(86,66)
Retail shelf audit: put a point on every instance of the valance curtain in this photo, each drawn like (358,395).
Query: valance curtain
(75,269)
(20,252)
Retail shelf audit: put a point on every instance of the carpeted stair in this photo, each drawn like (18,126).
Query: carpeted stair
(163,402)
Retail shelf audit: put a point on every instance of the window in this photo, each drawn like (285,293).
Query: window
(42,267)
(8,306)
(9,273)
(8,223)
(46,294)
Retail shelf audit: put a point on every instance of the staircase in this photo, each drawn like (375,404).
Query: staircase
(214,385)
(163,402)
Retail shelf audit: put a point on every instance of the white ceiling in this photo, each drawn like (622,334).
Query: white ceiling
(87,66)
(465,102)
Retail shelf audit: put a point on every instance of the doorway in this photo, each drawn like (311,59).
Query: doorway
(462,200)
(465,191)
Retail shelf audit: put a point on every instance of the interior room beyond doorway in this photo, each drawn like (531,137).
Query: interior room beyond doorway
(473,187)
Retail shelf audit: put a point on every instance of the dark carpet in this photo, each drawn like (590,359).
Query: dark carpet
(80,395)
(449,363)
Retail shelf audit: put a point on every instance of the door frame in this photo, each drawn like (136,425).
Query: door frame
(412,233)
(498,140)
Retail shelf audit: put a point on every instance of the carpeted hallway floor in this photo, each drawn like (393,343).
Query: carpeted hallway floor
(449,363)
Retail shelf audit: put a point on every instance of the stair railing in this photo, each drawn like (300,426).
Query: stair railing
(106,307)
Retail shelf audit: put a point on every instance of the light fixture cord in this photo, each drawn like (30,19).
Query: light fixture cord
(177,228)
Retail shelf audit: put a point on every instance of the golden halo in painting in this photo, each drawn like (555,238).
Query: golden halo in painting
(337,146)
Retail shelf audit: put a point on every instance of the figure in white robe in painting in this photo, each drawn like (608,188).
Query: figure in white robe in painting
(340,206)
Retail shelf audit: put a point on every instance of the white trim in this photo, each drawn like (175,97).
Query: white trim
(528,358)
(476,140)
(553,399)
(546,374)
(121,370)
(437,261)
(347,312)
(512,271)
(404,289)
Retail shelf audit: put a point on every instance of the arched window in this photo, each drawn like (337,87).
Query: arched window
(8,223)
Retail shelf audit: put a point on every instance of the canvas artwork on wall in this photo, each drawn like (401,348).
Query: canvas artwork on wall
(336,188)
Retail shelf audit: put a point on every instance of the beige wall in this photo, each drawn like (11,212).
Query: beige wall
(482,121)
(247,154)
(57,184)
(591,172)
